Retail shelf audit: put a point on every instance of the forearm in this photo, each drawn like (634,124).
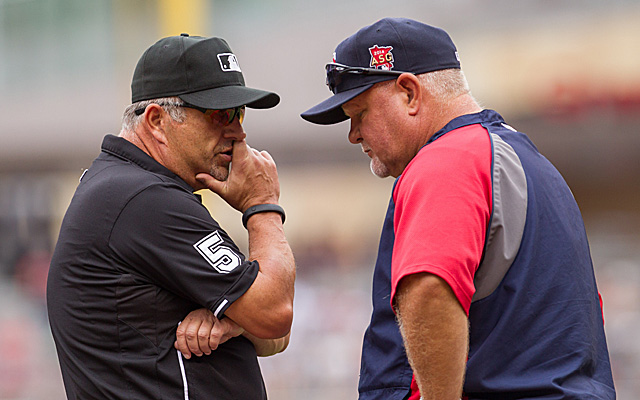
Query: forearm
(268,347)
(266,309)
(268,245)
(435,331)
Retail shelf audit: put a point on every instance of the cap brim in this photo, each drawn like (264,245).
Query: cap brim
(230,97)
(330,111)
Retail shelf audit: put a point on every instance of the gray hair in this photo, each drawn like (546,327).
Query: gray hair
(446,84)
(171,105)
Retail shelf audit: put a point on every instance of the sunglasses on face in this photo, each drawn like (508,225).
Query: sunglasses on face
(222,117)
(336,71)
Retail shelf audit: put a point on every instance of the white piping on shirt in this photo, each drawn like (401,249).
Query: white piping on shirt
(185,386)
(184,376)
(224,303)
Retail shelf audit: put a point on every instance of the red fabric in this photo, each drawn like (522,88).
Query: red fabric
(415,392)
(601,307)
(442,210)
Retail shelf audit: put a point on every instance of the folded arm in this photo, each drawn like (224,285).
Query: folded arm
(266,308)
(200,333)
(264,313)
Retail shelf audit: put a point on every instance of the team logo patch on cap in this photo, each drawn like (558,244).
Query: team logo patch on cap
(381,57)
(228,62)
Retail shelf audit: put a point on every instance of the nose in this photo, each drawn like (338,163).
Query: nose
(234,130)
(354,133)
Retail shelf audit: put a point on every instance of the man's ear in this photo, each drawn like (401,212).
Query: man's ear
(154,119)
(411,89)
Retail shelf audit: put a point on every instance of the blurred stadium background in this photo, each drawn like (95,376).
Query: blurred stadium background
(565,72)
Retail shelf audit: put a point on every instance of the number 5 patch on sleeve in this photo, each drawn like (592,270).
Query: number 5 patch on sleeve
(222,258)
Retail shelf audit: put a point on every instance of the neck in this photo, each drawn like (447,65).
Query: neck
(159,152)
(134,138)
(445,112)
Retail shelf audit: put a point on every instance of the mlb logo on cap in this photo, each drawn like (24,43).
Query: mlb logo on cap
(229,62)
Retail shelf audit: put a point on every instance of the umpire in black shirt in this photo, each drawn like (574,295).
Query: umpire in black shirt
(142,276)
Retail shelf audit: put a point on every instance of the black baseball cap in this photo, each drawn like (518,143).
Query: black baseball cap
(391,44)
(201,71)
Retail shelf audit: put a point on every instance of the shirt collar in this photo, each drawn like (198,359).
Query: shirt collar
(467,119)
(128,151)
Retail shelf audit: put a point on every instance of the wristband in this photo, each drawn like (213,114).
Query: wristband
(260,208)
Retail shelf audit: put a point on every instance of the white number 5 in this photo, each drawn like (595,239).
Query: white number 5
(222,258)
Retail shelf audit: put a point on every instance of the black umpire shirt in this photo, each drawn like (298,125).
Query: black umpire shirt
(137,252)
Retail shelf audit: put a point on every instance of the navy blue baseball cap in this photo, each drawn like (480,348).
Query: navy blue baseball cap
(201,71)
(380,52)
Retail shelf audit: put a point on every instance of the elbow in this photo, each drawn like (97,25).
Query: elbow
(277,323)
(285,321)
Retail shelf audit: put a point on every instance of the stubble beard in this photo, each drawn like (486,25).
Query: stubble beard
(220,172)
(219,168)
(378,168)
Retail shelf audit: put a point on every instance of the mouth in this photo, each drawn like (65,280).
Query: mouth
(227,154)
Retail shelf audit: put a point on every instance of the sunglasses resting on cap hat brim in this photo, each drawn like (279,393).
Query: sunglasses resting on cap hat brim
(345,82)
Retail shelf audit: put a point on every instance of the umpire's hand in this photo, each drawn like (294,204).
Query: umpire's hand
(201,333)
(253,178)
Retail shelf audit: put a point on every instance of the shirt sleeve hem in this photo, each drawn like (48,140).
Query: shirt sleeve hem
(237,290)
(463,298)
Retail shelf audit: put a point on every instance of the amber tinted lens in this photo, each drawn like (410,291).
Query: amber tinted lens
(226,117)
(240,113)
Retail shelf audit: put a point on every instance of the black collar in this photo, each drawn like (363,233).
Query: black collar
(128,151)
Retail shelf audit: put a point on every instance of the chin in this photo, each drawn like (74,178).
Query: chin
(379,169)
(219,173)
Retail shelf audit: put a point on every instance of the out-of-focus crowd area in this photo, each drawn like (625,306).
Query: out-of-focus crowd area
(565,72)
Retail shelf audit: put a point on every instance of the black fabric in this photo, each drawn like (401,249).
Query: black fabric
(201,71)
(127,269)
